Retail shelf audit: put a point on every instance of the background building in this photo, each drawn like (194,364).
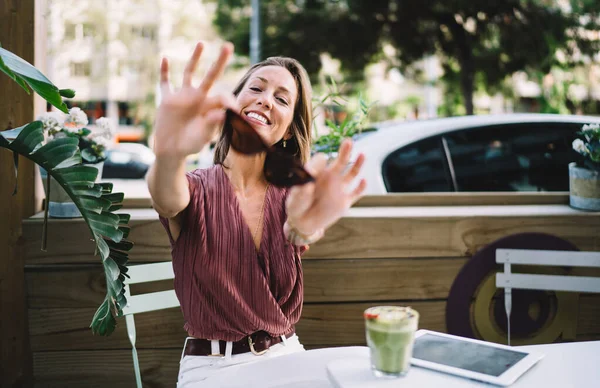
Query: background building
(109,53)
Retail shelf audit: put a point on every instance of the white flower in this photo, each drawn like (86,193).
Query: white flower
(103,142)
(105,128)
(579,146)
(76,119)
(51,121)
(590,127)
(69,128)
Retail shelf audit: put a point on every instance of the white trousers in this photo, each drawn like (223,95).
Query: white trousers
(206,371)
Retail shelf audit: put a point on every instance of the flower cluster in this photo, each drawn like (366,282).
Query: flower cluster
(92,143)
(588,146)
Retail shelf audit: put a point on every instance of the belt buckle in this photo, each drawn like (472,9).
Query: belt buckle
(254,350)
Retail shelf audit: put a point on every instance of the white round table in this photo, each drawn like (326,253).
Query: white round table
(566,365)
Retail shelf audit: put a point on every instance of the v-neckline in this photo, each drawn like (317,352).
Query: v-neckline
(238,209)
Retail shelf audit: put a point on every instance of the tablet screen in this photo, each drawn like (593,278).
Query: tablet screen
(465,355)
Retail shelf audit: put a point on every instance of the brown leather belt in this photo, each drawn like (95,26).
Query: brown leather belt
(257,343)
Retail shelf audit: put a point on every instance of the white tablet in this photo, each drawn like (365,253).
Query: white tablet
(470,358)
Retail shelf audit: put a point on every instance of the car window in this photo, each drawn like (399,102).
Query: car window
(418,167)
(517,157)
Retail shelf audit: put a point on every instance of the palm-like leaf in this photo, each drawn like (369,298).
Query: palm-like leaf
(27,76)
(96,201)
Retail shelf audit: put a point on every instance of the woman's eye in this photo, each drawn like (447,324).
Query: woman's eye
(255,89)
(282,100)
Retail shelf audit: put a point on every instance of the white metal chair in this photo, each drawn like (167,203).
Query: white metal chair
(142,303)
(509,280)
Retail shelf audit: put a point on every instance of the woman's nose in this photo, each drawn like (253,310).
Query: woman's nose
(265,101)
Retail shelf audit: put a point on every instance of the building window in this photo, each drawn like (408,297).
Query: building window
(88,30)
(70,31)
(129,68)
(80,69)
(79,31)
(126,113)
(146,32)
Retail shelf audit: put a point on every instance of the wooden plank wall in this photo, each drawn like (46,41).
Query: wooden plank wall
(393,255)
(16,109)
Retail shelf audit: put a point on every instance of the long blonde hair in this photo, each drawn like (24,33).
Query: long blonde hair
(301,125)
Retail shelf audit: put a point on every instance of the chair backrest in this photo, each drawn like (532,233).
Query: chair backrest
(531,281)
(142,303)
(159,300)
(508,279)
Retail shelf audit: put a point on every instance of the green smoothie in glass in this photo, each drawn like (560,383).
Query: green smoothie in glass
(390,332)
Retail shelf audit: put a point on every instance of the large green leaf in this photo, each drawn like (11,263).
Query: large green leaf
(26,74)
(94,202)
(55,152)
(61,159)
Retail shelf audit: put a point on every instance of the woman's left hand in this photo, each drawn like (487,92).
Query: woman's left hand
(319,204)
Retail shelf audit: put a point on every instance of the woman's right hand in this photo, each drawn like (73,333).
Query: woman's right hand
(187,119)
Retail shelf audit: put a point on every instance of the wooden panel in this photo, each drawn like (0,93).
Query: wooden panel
(343,324)
(324,281)
(588,322)
(105,368)
(16,109)
(464,199)
(363,233)
(456,236)
(67,242)
(379,279)
(68,286)
(137,197)
(320,325)
(68,329)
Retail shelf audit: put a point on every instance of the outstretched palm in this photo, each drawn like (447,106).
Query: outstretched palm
(320,204)
(186,119)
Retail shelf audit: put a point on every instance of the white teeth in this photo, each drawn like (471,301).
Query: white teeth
(258,117)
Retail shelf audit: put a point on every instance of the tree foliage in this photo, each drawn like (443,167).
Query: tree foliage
(474,39)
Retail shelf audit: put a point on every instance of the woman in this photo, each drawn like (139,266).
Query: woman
(236,239)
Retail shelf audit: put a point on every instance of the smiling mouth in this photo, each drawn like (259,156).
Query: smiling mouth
(259,117)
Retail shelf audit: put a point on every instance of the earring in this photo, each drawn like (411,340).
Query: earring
(284,143)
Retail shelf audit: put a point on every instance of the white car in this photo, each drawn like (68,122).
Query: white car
(510,152)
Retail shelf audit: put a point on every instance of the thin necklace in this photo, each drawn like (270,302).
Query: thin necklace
(260,217)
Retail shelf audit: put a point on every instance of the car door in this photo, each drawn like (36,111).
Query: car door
(417,167)
(513,157)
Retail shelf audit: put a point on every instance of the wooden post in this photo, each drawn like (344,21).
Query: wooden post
(16,108)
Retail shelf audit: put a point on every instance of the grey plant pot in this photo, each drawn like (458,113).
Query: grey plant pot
(584,188)
(60,204)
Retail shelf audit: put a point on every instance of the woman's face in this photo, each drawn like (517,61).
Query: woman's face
(267,101)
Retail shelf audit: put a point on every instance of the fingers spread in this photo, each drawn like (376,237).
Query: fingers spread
(316,164)
(355,169)
(192,64)
(217,68)
(358,191)
(221,101)
(164,77)
(340,163)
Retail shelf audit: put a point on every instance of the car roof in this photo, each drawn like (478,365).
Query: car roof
(392,136)
(405,132)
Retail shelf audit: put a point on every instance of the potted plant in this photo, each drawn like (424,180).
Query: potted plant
(584,174)
(62,159)
(92,144)
(338,126)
